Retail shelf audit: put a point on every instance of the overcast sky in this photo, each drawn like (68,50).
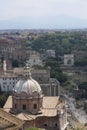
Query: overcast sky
(53,14)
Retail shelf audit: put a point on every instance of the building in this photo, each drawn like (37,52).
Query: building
(69,60)
(9,122)
(36,110)
(35,59)
(7,79)
(50,53)
(7,82)
(50,86)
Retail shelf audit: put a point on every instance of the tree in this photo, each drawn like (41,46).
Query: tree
(3,98)
(0,88)
(15,63)
(83,85)
(56,71)
(81,62)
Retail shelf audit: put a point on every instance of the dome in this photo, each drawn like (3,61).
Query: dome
(27,94)
(29,86)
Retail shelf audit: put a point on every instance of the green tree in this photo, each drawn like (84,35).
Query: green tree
(56,71)
(0,88)
(81,62)
(3,98)
(15,63)
(83,85)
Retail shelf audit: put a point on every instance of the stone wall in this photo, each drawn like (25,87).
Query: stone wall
(44,122)
(29,105)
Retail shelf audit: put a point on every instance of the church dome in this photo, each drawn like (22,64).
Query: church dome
(27,85)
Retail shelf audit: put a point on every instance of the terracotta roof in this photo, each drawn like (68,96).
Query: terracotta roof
(49,109)
(8,104)
(8,121)
(51,102)
(7,75)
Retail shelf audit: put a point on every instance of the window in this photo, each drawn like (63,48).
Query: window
(35,106)
(40,79)
(69,61)
(24,107)
(15,106)
(45,124)
(56,125)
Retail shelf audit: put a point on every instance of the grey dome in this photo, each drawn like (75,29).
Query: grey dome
(29,86)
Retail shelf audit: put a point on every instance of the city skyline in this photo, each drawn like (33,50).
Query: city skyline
(41,14)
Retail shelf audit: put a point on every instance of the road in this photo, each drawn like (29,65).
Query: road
(80,115)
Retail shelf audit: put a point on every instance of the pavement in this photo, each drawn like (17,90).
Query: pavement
(79,114)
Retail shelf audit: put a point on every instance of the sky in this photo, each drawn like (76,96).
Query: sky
(43,14)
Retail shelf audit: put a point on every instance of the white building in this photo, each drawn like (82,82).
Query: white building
(50,53)
(35,59)
(7,82)
(7,79)
(68,59)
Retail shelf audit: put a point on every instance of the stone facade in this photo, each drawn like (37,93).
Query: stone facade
(9,122)
(50,86)
(69,60)
(52,115)
(22,104)
(35,59)
(28,104)
(50,123)
(50,53)
(7,82)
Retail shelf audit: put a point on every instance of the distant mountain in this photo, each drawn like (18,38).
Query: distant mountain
(50,22)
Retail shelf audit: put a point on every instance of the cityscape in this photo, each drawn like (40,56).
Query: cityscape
(43,65)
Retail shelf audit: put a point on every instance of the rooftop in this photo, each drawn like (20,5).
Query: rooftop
(8,121)
(50,108)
